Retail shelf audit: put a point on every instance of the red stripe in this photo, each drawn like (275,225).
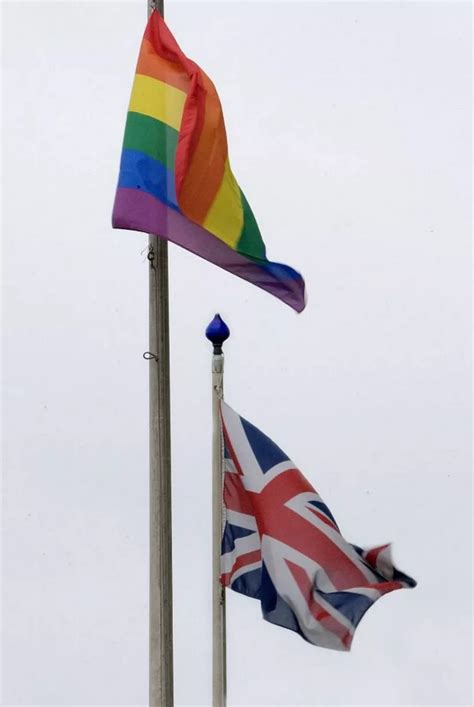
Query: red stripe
(372,555)
(322,517)
(165,45)
(150,63)
(230,448)
(278,521)
(190,131)
(321,614)
(249,558)
(386,587)
(202,145)
(235,495)
(202,150)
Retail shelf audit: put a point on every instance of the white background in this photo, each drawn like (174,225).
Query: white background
(349,130)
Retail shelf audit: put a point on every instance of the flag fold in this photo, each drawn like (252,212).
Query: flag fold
(175,178)
(282,546)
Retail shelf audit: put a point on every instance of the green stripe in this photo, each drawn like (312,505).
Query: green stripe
(250,241)
(152,137)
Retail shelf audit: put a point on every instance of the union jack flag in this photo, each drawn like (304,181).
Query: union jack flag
(282,545)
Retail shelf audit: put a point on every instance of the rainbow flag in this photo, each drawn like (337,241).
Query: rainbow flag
(175,178)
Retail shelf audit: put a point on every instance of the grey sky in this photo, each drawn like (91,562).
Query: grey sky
(349,131)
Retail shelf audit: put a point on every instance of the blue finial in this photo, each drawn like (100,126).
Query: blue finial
(217,332)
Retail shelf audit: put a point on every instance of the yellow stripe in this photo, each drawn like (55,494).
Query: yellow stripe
(225,218)
(158,100)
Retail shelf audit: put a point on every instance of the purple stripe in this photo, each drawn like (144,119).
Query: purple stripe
(138,211)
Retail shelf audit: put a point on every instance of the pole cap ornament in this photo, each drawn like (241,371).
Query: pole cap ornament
(217,332)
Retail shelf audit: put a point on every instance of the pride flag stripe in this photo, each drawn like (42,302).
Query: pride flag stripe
(175,153)
(225,218)
(208,156)
(152,137)
(139,171)
(158,141)
(144,212)
(150,63)
(158,100)
(250,239)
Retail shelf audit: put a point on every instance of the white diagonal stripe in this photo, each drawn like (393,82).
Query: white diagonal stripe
(243,570)
(252,473)
(297,504)
(242,547)
(241,519)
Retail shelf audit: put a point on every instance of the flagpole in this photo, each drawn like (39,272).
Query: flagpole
(160,598)
(217,332)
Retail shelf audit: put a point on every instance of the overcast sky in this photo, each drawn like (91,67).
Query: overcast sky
(349,132)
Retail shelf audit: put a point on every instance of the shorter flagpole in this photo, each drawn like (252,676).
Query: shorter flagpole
(217,332)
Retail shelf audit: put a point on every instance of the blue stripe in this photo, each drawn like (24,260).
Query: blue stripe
(140,171)
(231,534)
(267,453)
(397,575)
(402,577)
(280,271)
(352,606)
(275,610)
(322,507)
(374,571)
(249,584)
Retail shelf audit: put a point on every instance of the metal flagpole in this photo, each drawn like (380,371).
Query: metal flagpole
(217,332)
(161,605)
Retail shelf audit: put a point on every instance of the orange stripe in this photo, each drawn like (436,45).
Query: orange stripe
(205,171)
(202,147)
(151,64)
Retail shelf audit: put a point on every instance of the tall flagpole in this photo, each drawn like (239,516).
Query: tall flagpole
(217,332)
(161,605)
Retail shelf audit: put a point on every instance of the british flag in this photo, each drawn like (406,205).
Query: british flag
(282,545)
